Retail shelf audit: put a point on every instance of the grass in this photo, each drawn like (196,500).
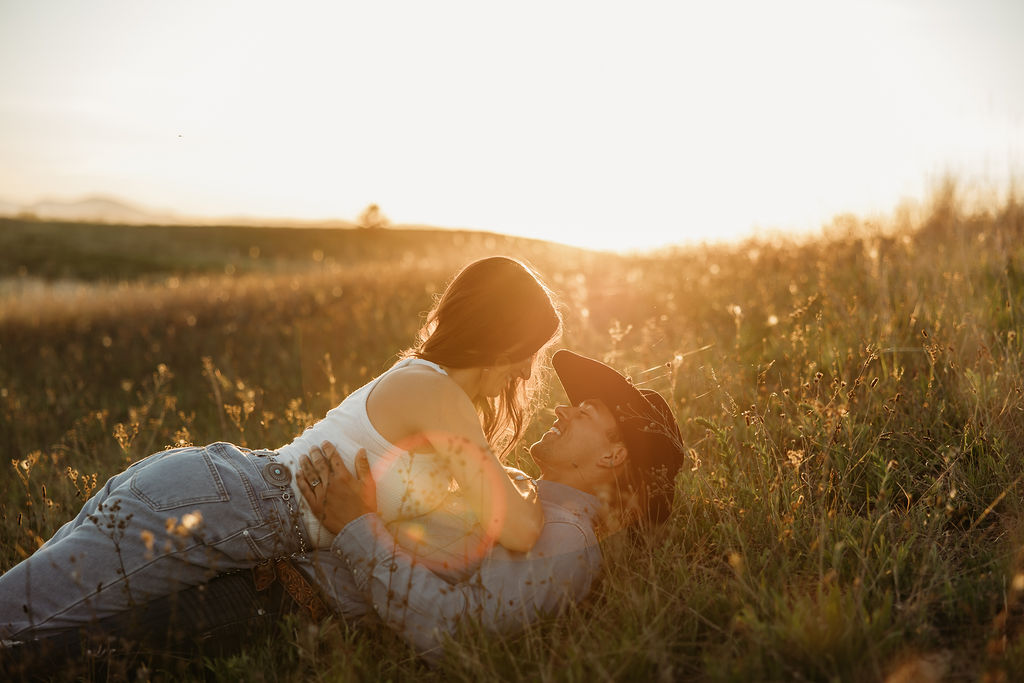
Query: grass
(853,408)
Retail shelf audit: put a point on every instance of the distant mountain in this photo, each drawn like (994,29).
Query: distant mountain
(101,209)
(96,209)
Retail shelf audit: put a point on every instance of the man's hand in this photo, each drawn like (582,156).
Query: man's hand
(333,493)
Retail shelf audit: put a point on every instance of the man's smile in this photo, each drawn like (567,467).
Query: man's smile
(555,430)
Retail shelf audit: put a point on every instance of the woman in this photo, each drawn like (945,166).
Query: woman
(428,424)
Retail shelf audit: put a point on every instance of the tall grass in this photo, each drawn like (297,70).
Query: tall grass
(853,408)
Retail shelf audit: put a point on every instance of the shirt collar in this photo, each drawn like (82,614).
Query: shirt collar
(568,497)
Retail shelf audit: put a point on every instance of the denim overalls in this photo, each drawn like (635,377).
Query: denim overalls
(172,520)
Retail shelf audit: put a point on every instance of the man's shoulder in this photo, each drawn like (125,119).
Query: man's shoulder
(565,500)
(569,516)
(556,513)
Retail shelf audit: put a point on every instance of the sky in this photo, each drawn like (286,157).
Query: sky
(615,125)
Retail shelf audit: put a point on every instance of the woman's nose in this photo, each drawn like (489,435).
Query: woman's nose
(526,371)
(562,412)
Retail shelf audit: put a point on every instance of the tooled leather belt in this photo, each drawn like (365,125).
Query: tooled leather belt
(295,583)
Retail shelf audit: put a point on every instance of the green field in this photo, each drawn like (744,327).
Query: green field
(853,408)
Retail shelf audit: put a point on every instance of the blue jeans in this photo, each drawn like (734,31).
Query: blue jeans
(172,520)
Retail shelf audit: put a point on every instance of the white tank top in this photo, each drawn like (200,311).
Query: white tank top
(409,485)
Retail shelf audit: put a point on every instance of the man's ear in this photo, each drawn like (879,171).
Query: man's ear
(616,455)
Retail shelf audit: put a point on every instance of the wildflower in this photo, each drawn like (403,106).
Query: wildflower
(189,523)
(796,458)
(736,561)
(147,539)
(192,520)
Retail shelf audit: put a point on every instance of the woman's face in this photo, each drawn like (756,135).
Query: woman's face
(497,377)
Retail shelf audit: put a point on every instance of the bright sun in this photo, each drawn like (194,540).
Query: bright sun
(593,125)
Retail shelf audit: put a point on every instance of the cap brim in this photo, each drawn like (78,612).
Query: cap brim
(585,378)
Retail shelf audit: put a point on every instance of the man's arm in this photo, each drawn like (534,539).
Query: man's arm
(508,591)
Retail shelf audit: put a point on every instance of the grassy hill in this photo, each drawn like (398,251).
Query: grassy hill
(111,253)
(853,408)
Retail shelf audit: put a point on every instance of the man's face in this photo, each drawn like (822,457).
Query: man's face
(580,437)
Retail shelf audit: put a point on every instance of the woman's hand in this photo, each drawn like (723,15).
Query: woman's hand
(334,495)
(526,486)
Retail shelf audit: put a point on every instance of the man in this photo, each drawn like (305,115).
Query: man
(609,460)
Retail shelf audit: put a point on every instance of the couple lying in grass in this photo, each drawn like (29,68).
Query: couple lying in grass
(396,503)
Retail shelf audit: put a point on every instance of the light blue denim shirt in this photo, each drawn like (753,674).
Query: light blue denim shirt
(508,591)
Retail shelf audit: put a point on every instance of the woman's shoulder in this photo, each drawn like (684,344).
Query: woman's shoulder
(418,386)
(415,375)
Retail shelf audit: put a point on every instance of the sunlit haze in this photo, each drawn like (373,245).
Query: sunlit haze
(612,125)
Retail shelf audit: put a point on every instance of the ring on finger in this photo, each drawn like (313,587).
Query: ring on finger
(313,484)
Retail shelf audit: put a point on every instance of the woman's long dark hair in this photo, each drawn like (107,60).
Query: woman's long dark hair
(495,310)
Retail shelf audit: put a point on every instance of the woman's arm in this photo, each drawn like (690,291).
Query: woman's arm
(451,425)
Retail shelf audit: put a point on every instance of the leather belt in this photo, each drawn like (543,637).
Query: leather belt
(294,582)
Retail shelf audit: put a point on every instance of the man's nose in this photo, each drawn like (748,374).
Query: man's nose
(562,412)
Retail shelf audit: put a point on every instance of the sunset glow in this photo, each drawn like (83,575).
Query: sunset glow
(606,125)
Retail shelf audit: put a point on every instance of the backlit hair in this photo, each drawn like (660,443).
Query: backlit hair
(494,311)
